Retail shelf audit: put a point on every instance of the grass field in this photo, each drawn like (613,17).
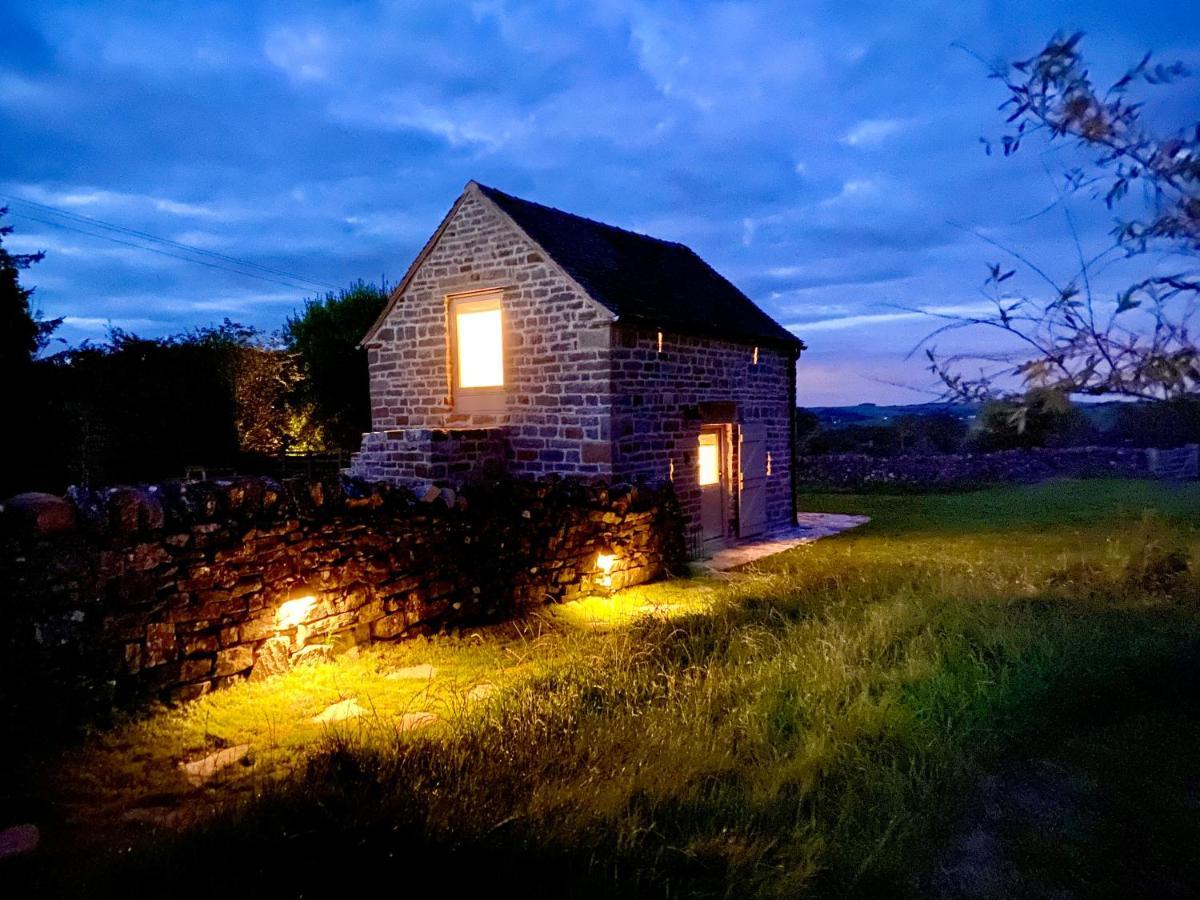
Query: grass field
(986,694)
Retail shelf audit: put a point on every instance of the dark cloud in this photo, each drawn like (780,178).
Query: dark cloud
(822,155)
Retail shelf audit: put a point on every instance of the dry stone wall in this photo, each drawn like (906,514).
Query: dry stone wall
(178,589)
(966,470)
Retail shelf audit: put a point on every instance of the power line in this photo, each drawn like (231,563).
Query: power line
(122,229)
(199,262)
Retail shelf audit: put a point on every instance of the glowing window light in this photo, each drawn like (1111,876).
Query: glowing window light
(754,359)
(660,342)
(480,348)
(294,612)
(710,463)
(768,462)
(671,469)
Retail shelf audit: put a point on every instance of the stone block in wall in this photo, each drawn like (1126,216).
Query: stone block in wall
(234,660)
(160,646)
(195,669)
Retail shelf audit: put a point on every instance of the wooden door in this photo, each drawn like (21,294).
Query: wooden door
(712,478)
(752,481)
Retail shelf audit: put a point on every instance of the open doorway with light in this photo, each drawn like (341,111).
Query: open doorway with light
(713,480)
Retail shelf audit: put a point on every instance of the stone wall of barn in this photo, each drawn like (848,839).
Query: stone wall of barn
(661,400)
(421,456)
(555,356)
(179,589)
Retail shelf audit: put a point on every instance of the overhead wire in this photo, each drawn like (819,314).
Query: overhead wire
(144,235)
(199,262)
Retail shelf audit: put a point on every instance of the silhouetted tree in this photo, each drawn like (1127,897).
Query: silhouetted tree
(1138,341)
(1042,418)
(24,405)
(325,338)
(22,332)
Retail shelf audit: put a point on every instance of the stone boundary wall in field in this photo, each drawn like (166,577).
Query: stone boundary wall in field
(961,470)
(177,589)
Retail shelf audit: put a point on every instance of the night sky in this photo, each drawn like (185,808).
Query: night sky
(824,157)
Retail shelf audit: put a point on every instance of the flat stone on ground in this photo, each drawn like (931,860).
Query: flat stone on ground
(343,709)
(19,840)
(416,720)
(199,771)
(481,691)
(166,817)
(423,672)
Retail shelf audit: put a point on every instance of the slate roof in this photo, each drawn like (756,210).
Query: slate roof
(642,279)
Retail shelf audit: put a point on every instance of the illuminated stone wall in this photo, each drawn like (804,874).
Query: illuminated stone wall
(662,398)
(176,590)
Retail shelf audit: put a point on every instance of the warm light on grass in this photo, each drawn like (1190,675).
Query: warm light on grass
(294,612)
(800,726)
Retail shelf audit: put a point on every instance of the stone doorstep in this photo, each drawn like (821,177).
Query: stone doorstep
(481,691)
(337,712)
(201,770)
(809,527)
(415,721)
(422,672)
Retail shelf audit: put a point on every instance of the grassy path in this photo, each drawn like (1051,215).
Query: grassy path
(828,723)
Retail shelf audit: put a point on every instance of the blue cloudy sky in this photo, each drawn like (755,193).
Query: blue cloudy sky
(825,157)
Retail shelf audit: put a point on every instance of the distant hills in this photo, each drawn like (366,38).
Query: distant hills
(875,414)
(1101,415)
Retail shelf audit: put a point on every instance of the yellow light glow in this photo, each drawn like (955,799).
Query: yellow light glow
(660,342)
(605,563)
(710,464)
(768,462)
(480,348)
(754,361)
(293,612)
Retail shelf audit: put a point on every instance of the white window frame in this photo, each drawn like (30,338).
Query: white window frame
(489,399)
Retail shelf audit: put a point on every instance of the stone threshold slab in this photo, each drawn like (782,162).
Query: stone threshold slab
(809,527)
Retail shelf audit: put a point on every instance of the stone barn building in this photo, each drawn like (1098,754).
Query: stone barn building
(537,341)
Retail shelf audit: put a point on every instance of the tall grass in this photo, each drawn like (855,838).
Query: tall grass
(815,730)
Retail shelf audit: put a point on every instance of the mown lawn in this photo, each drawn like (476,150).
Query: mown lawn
(986,694)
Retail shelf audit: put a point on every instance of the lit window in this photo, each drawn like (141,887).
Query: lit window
(480,339)
(671,469)
(754,359)
(768,462)
(710,463)
(660,342)
(476,369)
